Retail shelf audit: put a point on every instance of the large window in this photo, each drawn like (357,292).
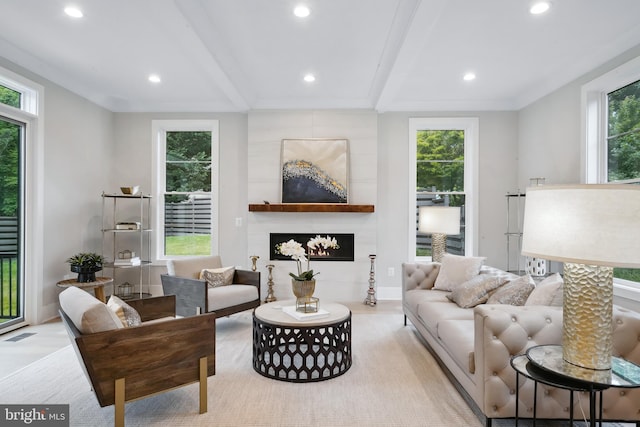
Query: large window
(186,154)
(612,126)
(443,163)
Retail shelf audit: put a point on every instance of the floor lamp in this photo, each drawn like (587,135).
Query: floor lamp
(591,228)
(439,221)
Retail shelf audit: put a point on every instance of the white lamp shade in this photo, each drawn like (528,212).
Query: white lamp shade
(439,219)
(594,224)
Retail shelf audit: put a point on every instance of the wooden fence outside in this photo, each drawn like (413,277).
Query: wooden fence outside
(9,286)
(193,217)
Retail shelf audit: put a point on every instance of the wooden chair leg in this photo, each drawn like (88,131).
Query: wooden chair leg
(119,403)
(203,385)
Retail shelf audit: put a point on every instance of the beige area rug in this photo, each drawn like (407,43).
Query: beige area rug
(394,381)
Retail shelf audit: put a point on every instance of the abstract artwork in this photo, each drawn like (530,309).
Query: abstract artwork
(315,171)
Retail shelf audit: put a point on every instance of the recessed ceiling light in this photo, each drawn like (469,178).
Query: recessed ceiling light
(154,78)
(73,12)
(309,78)
(301,11)
(469,76)
(539,7)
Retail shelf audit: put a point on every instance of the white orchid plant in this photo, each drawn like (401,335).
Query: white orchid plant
(317,246)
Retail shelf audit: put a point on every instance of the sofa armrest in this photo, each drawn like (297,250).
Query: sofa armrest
(502,331)
(191,294)
(247,277)
(418,275)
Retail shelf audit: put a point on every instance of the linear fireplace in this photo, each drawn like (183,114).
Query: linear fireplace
(345,251)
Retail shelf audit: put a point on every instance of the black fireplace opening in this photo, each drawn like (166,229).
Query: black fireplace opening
(345,251)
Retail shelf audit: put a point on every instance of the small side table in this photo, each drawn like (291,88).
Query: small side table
(544,363)
(97,286)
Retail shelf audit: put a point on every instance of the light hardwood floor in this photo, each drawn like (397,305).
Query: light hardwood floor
(21,347)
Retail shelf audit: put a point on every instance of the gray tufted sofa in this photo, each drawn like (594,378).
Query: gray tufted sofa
(475,346)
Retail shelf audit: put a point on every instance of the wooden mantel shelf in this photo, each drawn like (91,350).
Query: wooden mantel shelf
(310,207)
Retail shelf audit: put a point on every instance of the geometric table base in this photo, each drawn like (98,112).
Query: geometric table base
(301,353)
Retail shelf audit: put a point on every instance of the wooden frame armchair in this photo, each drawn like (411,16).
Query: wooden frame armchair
(194,296)
(127,364)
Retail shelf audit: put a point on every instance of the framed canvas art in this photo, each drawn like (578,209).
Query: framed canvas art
(315,171)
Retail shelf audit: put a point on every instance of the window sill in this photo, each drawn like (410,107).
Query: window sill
(630,292)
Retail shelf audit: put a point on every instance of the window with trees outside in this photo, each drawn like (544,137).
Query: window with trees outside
(186,185)
(444,157)
(612,115)
(623,147)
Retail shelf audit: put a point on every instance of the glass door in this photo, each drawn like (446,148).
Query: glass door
(11,222)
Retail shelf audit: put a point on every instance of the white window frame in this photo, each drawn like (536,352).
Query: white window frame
(159,131)
(31,112)
(594,135)
(470,126)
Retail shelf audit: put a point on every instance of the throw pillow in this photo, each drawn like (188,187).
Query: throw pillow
(514,292)
(547,292)
(218,276)
(455,270)
(475,291)
(127,314)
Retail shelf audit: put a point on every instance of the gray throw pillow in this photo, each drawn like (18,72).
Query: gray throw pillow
(514,292)
(475,291)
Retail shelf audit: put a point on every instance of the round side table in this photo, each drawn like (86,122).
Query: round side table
(97,286)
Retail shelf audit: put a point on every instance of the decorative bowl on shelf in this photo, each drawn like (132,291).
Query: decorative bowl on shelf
(130,190)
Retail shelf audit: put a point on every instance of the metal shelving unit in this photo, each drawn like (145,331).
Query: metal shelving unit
(515,213)
(119,214)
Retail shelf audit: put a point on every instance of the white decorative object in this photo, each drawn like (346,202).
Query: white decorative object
(371,292)
(536,266)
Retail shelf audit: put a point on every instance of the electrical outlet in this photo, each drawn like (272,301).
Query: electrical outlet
(391,272)
(239,221)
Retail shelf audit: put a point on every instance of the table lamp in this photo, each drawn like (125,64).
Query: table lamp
(591,228)
(439,221)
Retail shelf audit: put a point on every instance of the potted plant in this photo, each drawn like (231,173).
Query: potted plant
(86,264)
(304,283)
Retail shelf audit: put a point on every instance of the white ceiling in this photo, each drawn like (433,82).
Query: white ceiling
(239,55)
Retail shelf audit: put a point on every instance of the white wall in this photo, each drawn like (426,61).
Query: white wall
(338,281)
(77,153)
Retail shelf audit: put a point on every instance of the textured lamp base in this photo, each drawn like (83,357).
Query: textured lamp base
(587,315)
(438,246)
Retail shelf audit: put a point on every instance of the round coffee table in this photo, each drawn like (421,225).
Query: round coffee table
(312,349)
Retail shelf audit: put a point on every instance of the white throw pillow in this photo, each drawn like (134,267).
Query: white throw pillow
(128,315)
(218,276)
(87,313)
(547,292)
(455,270)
